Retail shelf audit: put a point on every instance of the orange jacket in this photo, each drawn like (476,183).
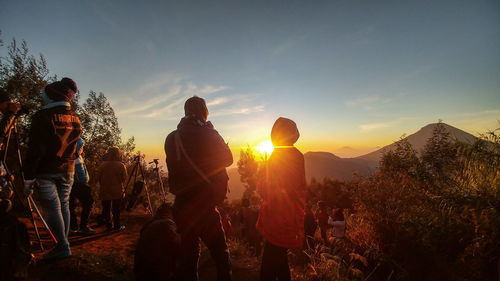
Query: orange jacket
(281,217)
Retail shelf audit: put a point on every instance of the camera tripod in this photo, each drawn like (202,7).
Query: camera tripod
(135,193)
(160,181)
(31,205)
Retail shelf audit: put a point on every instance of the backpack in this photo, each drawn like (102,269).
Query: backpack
(218,183)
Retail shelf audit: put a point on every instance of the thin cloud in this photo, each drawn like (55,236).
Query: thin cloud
(218,101)
(375,126)
(239,111)
(162,95)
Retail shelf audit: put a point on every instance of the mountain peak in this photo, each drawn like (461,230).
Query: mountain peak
(420,138)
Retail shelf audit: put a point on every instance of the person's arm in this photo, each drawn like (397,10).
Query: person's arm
(222,153)
(37,145)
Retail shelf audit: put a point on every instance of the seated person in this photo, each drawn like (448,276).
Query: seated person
(337,220)
(158,248)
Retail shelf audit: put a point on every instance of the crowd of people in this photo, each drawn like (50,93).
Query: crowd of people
(197,157)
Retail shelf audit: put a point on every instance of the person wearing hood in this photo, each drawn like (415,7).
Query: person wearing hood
(283,192)
(50,159)
(197,157)
(81,191)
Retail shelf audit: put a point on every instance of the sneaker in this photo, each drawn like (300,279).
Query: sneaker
(86,230)
(119,227)
(57,253)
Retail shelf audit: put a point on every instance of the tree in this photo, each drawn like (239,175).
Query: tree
(248,168)
(101,130)
(23,75)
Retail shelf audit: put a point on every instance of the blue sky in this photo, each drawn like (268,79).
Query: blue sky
(350,73)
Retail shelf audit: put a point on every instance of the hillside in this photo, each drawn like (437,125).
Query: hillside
(323,164)
(419,139)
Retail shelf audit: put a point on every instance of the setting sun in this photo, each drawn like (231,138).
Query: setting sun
(265,147)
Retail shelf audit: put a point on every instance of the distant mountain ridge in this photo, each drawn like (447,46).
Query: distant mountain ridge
(419,139)
(319,165)
(323,164)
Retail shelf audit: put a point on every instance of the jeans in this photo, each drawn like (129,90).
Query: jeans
(83,193)
(274,264)
(53,192)
(194,223)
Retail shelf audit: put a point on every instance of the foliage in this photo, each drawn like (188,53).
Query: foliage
(248,168)
(434,216)
(23,75)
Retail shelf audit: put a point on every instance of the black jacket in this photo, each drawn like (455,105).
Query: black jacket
(52,142)
(207,150)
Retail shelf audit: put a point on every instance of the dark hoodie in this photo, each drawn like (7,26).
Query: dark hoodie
(207,150)
(52,142)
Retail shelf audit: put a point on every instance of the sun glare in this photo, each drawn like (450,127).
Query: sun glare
(265,147)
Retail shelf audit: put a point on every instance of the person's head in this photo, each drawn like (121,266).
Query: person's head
(4,100)
(196,106)
(284,132)
(114,154)
(5,206)
(245,202)
(164,211)
(6,103)
(321,204)
(63,90)
(80,143)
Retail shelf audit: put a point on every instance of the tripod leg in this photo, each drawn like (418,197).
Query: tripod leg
(147,190)
(160,182)
(41,218)
(34,225)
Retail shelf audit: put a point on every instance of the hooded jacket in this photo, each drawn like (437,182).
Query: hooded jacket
(52,141)
(281,217)
(207,150)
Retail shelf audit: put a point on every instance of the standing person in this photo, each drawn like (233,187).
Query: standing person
(281,218)
(81,191)
(253,235)
(197,157)
(112,177)
(322,218)
(50,159)
(310,226)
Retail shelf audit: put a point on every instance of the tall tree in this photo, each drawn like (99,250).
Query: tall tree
(100,129)
(248,168)
(23,75)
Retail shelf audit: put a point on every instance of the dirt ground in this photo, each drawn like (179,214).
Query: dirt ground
(109,255)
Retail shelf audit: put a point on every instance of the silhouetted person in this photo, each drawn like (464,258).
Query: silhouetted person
(81,191)
(310,226)
(253,235)
(322,218)
(243,218)
(196,160)
(281,218)
(112,177)
(158,249)
(50,159)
